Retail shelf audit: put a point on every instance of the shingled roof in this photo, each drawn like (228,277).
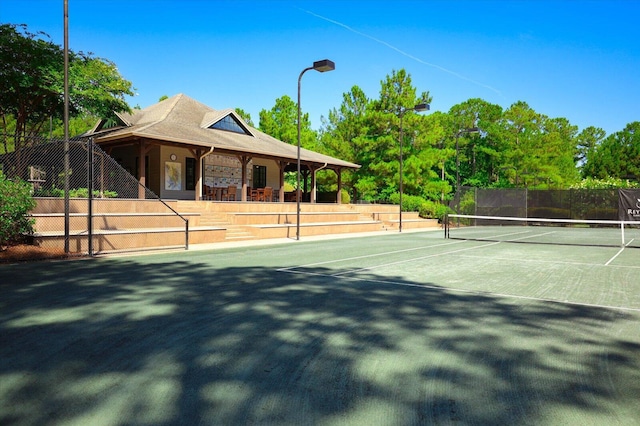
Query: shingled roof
(184,121)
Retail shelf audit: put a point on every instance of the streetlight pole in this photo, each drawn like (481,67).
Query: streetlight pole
(417,108)
(458,134)
(320,66)
(67,226)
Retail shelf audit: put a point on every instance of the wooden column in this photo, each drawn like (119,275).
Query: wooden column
(199,155)
(305,183)
(282,165)
(244,161)
(143,150)
(338,196)
(312,196)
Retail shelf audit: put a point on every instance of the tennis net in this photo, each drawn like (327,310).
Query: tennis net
(606,233)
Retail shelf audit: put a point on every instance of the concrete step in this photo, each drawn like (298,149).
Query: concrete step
(147,224)
(111,241)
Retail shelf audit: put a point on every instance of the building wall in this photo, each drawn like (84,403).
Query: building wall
(223,170)
(273,171)
(172,178)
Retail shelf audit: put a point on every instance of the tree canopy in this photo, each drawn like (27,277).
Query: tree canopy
(32,85)
(513,147)
(617,156)
(281,122)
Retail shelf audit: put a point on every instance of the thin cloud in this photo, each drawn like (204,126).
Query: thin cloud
(402,52)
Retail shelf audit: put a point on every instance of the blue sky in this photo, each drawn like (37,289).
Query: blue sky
(574,59)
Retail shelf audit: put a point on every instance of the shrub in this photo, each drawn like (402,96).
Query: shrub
(434,210)
(427,209)
(74,193)
(53,192)
(345,198)
(410,203)
(608,183)
(15,203)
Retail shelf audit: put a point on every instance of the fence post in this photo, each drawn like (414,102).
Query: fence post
(186,236)
(66,127)
(90,196)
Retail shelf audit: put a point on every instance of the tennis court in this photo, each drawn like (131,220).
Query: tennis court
(392,329)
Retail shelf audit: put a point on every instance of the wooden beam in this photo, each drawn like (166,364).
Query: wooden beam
(282,165)
(244,161)
(339,195)
(198,154)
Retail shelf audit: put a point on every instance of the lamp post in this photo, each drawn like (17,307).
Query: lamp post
(417,108)
(320,66)
(67,226)
(458,134)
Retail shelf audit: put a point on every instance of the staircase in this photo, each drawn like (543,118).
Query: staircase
(251,220)
(118,225)
(206,215)
(123,225)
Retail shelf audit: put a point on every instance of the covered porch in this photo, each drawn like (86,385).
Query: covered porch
(181,149)
(182,172)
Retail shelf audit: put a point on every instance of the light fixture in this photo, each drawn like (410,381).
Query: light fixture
(324,65)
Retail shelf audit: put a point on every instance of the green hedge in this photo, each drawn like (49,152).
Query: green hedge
(15,203)
(427,209)
(74,193)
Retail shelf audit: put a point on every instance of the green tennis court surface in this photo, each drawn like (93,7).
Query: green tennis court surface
(604,233)
(394,329)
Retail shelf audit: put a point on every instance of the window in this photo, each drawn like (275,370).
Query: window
(190,170)
(259,176)
(230,124)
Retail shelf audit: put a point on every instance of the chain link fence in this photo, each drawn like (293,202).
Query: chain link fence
(87,204)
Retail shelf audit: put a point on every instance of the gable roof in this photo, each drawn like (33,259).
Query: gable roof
(183,120)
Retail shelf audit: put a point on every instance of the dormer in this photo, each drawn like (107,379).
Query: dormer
(116,121)
(227,120)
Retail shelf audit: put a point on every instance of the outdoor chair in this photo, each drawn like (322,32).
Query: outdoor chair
(268,194)
(230,193)
(208,193)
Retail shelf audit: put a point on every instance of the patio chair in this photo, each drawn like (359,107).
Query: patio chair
(268,194)
(208,193)
(230,193)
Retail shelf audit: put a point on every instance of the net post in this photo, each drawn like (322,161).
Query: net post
(446,225)
(622,231)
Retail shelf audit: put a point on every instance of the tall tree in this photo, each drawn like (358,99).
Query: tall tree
(521,130)
(587,143)
(281,122)
(618,155)
(32,84)
(345,135)
(558,154)
(479,153)
(423,166)
(245,116)
(395,105)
